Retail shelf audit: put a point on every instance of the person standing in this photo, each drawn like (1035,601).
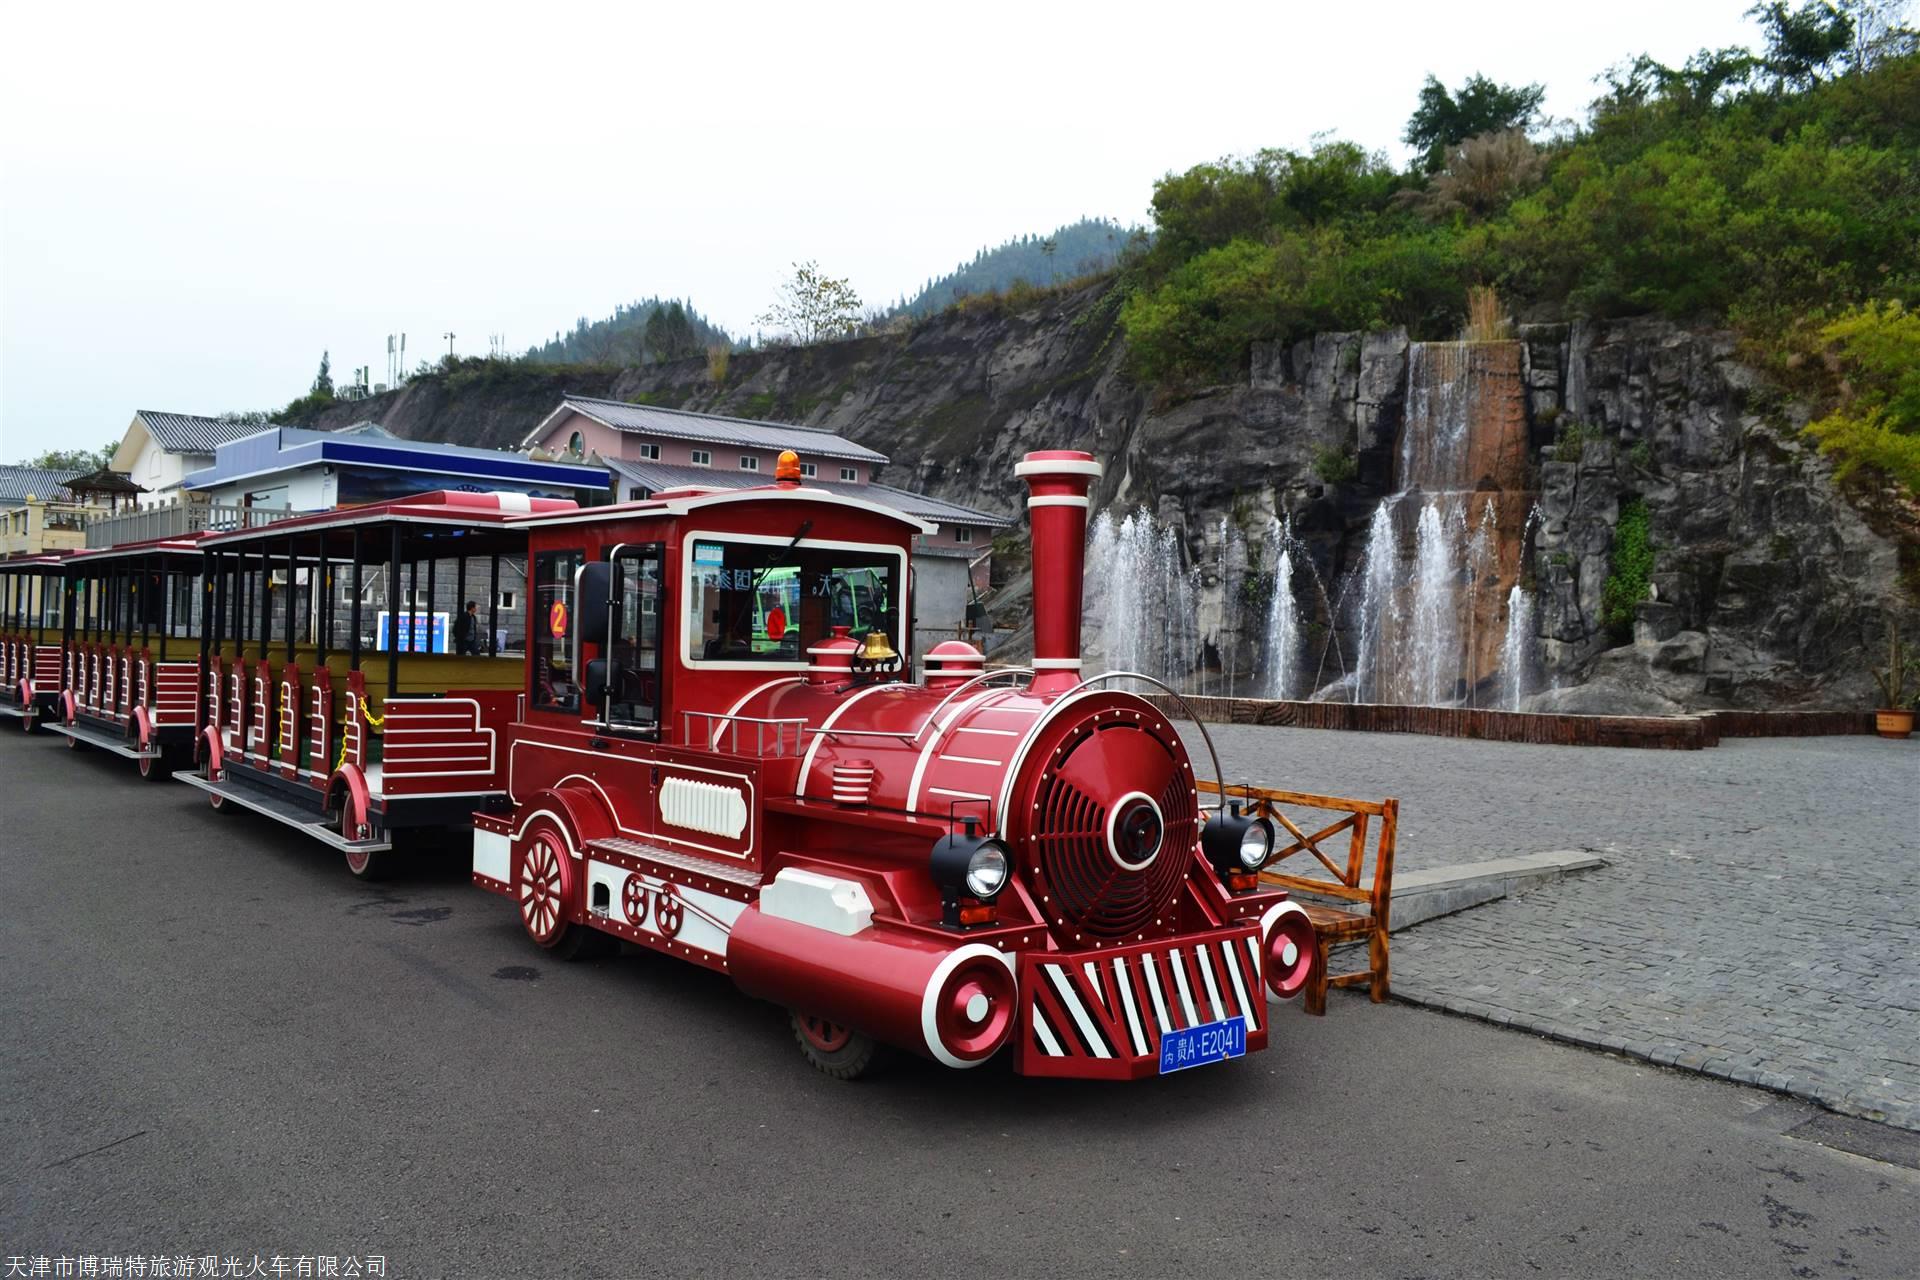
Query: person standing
(466,628)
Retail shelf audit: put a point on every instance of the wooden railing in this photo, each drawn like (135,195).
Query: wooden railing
(1369,826)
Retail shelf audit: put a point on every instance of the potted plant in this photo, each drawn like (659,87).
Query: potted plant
(1894,719)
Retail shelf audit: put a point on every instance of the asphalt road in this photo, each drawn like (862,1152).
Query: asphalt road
(212,1041)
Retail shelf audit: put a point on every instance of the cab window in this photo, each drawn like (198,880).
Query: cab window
(766,602)
(551,622)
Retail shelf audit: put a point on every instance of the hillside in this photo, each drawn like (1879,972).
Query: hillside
(1084,248)
(633,335)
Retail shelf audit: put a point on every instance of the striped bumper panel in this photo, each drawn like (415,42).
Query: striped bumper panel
(1103,1012)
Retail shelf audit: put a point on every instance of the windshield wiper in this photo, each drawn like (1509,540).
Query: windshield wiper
(753,592)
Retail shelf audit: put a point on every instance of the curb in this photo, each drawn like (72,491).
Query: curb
(1695,1061)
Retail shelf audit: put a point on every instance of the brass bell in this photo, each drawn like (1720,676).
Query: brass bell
(874,648)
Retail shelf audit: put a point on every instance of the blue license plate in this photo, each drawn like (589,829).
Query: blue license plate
(1198,1046)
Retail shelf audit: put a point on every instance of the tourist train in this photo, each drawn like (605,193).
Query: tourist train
(706,742)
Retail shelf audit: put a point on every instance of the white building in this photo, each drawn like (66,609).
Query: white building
(159,450)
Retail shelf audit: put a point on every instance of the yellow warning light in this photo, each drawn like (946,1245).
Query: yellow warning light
(787,469)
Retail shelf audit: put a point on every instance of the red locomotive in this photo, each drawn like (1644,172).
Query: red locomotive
(720,760)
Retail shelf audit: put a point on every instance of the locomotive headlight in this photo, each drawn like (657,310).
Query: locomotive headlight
(1256,844)
(1236,844)
(969,864)
(987,870)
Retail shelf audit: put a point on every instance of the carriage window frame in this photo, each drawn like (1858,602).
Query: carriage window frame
(691,595)
(553,575)
(641,611)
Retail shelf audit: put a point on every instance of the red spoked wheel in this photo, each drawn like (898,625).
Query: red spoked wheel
(542,884)
(669,913)
(150,768)
(633,901)
(841,1052)
(545,886)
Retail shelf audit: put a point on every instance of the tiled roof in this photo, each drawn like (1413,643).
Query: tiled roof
(48,486)
(680,424)
(655,476)
(190,433)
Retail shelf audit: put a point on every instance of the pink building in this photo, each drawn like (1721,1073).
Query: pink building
(647,449)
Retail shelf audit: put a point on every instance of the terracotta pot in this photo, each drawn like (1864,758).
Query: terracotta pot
(1893,724)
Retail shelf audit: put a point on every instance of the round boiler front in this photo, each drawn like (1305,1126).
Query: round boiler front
(1104,820)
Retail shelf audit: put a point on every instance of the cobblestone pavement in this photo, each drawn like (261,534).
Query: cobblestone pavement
(1757,919)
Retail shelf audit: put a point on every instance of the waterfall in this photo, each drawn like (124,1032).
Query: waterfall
(1516,649)
(1432,659)
(1140,599)
(1430,599)
(1379,603)
(1283,617)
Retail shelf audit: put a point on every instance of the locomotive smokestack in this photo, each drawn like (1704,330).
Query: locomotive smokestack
(1057,485)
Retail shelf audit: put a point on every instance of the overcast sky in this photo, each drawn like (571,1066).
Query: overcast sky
(199,199)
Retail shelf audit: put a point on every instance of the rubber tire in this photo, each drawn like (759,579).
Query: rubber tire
(376,864)
(155,768)
(218,803)
(857,1058)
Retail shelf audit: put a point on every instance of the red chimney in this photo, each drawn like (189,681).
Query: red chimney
(1057,484)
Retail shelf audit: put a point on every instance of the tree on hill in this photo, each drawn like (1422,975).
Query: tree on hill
(622,337)
(814,306)
(323,381)
(1444,119)
(1801,42)
(669,335)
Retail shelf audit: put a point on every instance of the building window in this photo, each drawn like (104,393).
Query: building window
(577,444)
(849,474)
(809,470)
(507,599)
(963,533)
(702,458)
(649,453)
(749,463)
(636,494)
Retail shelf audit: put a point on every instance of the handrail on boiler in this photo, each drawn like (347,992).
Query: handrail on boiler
(718,721)
(983,678)
(1186,706)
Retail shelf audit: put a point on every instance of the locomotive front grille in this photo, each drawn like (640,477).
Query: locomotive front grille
(1087,885)
(1103,1013)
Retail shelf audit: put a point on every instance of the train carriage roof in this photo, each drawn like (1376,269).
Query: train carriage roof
(439,509)
(680,502)
(184,544)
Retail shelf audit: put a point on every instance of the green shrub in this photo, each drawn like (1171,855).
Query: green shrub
(1876,425)
(1335,466)
(1632,569)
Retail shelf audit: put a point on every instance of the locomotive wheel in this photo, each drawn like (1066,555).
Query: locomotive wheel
(834,1050)
(218,803)
(543,885)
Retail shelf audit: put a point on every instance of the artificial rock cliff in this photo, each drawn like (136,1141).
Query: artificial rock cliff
(1771,589)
